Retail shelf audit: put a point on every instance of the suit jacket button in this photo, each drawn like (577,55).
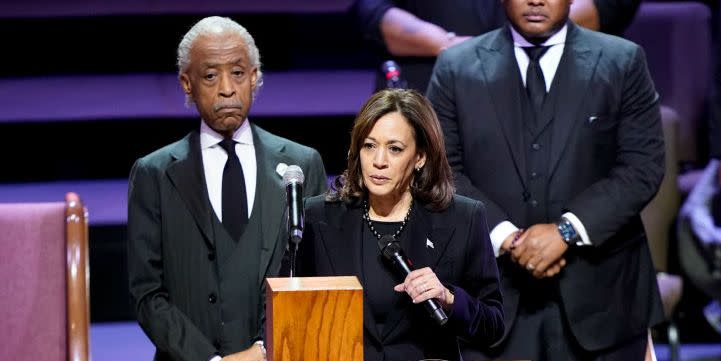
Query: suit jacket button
(536,146)
(211,256)
(534,203)
(212,298)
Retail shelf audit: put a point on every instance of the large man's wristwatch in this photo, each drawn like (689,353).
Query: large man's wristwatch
(568,233)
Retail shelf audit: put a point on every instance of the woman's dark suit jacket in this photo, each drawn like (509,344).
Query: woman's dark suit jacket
(454,243)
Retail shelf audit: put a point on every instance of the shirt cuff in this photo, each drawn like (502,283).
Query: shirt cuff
(580,229)
(499,234)
(216,358)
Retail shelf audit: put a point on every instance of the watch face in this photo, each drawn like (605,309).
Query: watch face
(566,230)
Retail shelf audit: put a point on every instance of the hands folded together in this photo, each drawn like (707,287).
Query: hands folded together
(539,249)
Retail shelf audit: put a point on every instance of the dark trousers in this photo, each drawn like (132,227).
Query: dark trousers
(541,333)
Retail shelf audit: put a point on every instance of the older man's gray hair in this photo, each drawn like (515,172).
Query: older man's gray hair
(217,24)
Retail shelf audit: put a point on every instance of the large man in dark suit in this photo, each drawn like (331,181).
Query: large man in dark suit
(557,129)
(205,214)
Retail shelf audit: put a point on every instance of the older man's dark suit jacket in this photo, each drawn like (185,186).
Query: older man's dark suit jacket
(606,163)
(461,256)
(173,264)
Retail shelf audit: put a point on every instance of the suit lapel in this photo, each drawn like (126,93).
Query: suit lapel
(342,239)
(187,175)
(502,80)
(269,190)
(576,70)
(427,239)
(425,245)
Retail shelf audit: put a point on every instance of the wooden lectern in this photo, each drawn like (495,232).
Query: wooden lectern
(314,319)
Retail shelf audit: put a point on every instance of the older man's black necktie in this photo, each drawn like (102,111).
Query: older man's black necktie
(234,199)
(535,82)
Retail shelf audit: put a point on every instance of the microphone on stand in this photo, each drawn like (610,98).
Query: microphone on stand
(392,251)
(392,73)
(293,181)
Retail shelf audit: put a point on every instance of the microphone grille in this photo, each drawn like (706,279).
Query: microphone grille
(293,174)
(388,246)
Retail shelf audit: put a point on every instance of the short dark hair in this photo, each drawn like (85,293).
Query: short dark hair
(433,184)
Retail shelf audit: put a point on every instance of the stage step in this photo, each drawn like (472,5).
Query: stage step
(146,96)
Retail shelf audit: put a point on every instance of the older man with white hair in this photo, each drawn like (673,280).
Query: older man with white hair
(206,213)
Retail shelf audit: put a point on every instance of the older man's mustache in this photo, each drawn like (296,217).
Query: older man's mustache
(224,105)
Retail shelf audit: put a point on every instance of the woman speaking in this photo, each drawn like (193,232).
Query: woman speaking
(394,207)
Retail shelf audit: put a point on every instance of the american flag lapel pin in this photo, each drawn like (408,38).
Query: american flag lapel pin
(429,244)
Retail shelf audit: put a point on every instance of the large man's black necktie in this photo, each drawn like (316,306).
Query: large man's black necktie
(234,199)
(535,83)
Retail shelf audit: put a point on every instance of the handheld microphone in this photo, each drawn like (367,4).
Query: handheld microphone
(293,181)
(392,251)
(392,73)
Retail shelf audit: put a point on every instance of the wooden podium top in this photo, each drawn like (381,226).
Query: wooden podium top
(314,319)
(285,284)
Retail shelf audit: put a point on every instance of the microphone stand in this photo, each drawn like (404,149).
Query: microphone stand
(293,253)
